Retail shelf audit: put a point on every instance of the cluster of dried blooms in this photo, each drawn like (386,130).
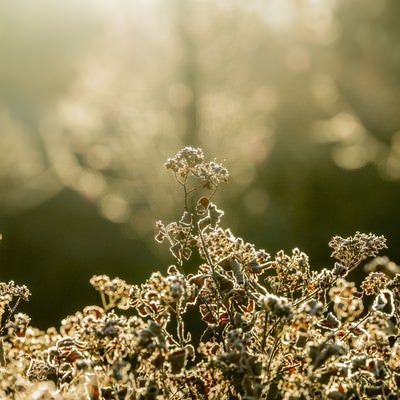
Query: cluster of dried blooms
(272,327)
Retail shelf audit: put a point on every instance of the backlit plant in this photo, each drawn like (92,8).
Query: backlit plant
(271,327)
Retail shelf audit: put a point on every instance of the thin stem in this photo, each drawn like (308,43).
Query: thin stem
(186,196)
(179,326)
(213,274)
(264,337)
(212,193)
(186,242)
(357,324)
(103,300)
(14,307)
(2,354)
(10,314)
(273,352)
(273,327)
(193,189)
(314,292)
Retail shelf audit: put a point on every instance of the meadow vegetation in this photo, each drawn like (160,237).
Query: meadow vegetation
(272,326)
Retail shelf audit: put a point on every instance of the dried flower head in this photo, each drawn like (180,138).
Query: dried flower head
(114,292)
(189,161)
(184,161)
(13,290)
(276,305)
(292,273)
(347,302)
(352,250)
(374,282)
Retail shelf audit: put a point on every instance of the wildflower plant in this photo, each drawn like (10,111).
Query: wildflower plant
(272,326)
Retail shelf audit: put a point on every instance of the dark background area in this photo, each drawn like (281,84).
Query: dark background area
(299,99)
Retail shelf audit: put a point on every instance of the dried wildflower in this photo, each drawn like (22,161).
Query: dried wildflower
(187,157)
(374,282)
(224,249)
(347,302)
(352,250)
(321,281)
(294,333)
(277,305)
(211,174)
(13,290)
(41,371)
(114,292)
(291,273)
(190,161)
